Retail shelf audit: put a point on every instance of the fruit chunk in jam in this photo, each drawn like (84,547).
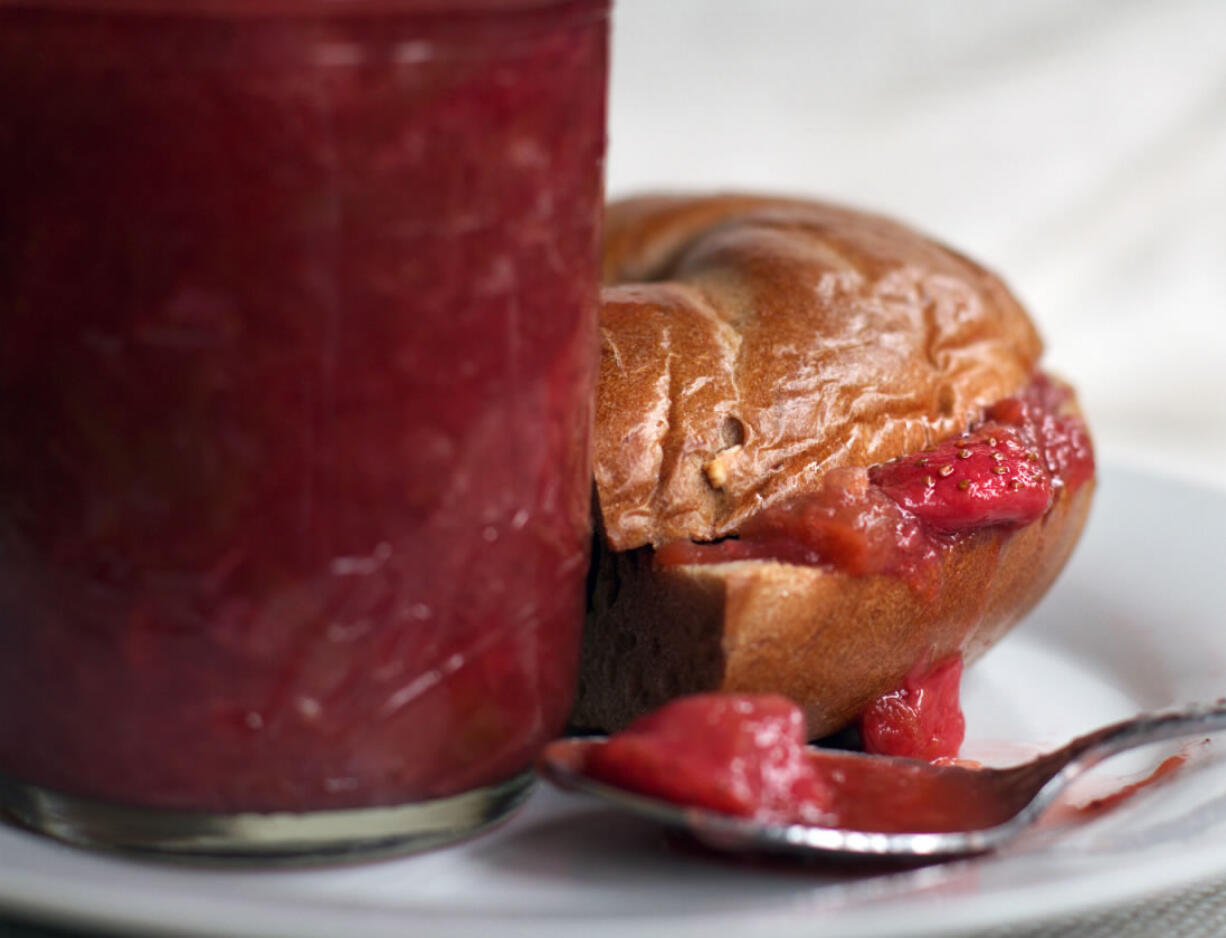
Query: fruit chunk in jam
(920,720)
(983,478)
(733,753)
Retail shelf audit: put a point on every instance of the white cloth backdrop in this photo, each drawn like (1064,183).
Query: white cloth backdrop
(1078,148)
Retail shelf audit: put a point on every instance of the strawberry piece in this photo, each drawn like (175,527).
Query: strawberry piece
(922,719)
(988,477)
(737,754)
(1060,437)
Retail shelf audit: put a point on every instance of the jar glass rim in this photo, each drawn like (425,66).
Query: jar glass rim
(306,8)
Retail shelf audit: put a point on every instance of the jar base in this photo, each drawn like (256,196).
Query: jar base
(263,838)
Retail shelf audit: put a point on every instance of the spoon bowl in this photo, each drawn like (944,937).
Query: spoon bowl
(900,808)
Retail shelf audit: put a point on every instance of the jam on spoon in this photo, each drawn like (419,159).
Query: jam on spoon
(843,803)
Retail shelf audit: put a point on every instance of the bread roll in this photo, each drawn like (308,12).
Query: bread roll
(751,347)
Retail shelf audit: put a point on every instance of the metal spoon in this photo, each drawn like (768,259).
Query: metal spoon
(995,804)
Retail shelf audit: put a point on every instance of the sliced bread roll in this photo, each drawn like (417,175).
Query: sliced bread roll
(772,374)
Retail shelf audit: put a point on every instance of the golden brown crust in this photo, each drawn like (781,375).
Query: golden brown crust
(830,641)
(751,344)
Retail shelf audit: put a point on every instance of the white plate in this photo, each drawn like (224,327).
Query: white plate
(1136,622)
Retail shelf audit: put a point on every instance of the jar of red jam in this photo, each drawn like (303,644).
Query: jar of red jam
(298,306)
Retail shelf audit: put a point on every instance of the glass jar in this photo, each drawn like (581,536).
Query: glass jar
(298,302)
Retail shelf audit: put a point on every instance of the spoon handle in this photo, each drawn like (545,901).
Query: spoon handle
(1030,788)
(1094,747)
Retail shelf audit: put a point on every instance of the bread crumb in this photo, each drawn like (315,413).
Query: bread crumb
(716,468)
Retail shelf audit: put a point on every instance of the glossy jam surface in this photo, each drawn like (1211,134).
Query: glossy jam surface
(847,523)
(897,517)
(736,754)
(299,324)
(744,755)
(920,720)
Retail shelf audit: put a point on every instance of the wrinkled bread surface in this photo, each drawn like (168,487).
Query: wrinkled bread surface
(748,345)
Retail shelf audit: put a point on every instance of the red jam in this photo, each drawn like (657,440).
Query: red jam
(897,517)
(736,754)
(848,523)
(744,755)
(299,324)
(920,720)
